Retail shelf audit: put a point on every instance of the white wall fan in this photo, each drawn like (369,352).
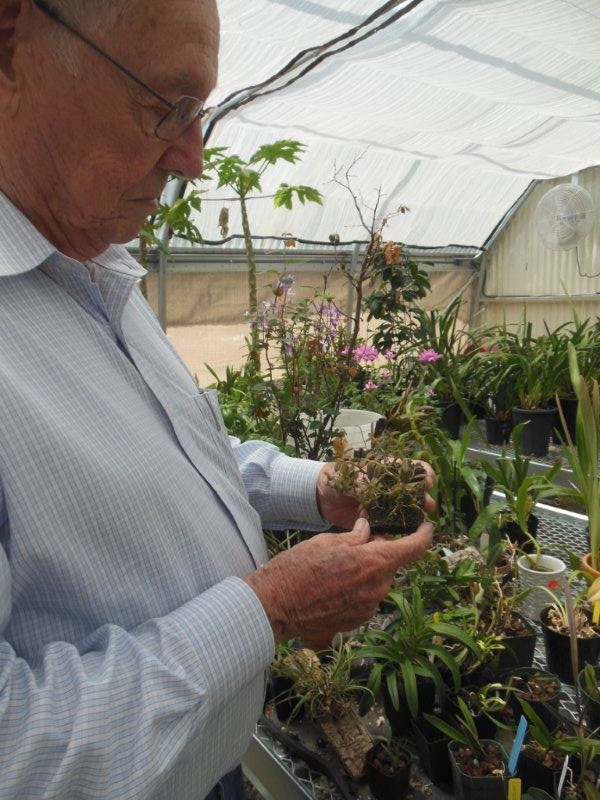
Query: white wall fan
(564,216)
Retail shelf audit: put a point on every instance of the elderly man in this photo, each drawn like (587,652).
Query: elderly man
(143,612)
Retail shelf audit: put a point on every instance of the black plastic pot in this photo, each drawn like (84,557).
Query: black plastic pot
(464,501)
(533,773)
(388,785)
(504,570)
(482,675)
(488,787)
(408,521)
(485,726)
(476,408)
(569,409)
(400,719)
(591,708)
(432,747)
(285,702)
(558,650)
(512,531)
(535,437)
(519,650)
(451,419)
(497,431)
(547,710)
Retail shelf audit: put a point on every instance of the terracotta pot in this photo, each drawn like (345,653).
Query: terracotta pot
(587,567)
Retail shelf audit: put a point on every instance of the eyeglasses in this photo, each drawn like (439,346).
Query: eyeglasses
(179,116)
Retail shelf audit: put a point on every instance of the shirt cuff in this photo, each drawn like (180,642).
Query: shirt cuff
(230,636)
(294,491)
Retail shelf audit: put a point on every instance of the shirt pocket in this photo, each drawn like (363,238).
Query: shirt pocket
(201,431)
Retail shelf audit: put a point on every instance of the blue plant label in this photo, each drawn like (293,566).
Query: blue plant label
(517,744)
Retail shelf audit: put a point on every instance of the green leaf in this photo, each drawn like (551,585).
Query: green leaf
(285,194)
(283,149)
(453,733)
(410,686)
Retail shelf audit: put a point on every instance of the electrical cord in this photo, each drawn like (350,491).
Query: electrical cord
(584,274)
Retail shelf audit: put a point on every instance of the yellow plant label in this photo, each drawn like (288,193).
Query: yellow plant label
(514,789)
(596,613)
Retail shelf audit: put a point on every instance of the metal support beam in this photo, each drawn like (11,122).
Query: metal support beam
(270,775)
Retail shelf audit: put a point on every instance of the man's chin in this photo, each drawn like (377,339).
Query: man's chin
(128,228)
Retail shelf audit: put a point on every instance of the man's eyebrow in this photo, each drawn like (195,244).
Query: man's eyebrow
(183,82)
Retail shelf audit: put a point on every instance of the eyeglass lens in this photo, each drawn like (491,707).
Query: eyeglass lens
(178,117)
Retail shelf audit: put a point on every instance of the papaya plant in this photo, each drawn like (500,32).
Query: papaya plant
(243,177)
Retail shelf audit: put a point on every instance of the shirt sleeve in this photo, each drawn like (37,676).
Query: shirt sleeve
(110,719)
(282,489)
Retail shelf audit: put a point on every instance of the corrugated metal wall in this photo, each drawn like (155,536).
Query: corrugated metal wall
(521,273)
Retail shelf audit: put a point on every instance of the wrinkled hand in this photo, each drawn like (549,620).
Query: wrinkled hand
(342,510)
(334,581)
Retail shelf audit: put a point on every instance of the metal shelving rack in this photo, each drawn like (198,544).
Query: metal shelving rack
(278,776)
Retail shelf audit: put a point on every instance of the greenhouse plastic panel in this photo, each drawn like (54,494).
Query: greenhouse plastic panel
(279,775)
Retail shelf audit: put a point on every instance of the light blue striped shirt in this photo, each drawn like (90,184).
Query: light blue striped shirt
(133,657)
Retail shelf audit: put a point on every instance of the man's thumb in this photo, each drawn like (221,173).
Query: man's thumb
(360,533)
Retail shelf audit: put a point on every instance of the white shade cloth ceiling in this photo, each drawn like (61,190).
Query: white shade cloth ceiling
(452,109)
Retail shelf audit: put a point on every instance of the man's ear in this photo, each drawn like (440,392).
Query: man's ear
(11,12)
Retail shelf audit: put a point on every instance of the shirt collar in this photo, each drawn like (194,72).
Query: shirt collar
(23,247)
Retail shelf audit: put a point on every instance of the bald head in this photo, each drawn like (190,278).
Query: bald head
(97,14)
(100,164)
(96,17)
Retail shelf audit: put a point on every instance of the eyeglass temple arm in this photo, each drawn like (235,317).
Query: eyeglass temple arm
(57,18)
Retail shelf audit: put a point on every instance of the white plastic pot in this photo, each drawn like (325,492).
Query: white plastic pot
(358,426)
(549,568)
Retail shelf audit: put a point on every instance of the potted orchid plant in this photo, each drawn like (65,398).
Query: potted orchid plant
(582,455)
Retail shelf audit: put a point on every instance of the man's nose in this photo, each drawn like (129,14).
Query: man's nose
(185,155)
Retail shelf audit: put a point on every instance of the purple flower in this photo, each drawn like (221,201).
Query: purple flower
(391,355)
(286,282)
(428,356)
(288,344)
(329,319)
(365,353)
(370,385)
(384,374)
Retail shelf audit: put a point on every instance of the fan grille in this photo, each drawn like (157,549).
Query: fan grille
(564,216)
